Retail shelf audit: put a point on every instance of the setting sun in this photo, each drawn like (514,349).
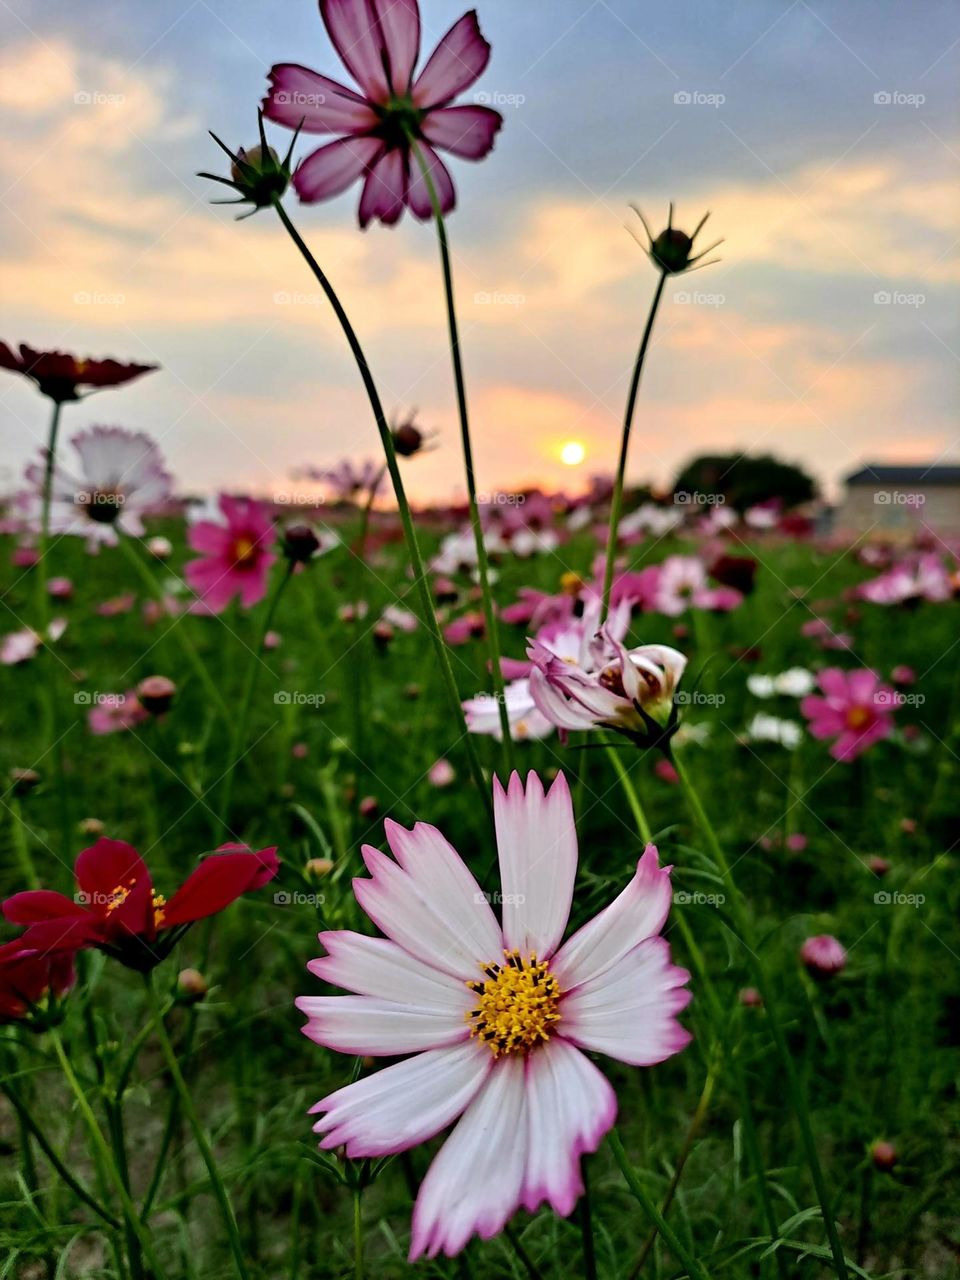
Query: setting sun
(572,453)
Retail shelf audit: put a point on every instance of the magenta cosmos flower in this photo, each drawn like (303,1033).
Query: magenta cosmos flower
(235,557)
(857,709)
(499,1015)
(379,43)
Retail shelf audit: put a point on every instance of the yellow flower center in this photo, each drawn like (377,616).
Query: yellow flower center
(244,550)
(858,718)
(517,1005)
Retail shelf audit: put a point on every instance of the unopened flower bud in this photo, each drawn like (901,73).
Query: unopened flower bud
(411,692)
(823,955)
(751,998)
(300,543)
(408,439)
(671,250)
(317,868)
(160,548)
(155,694)
(879,866)
(299,751)
(441,773)
(884,1155)
(382,635)
(191,985)
(23,780)
(91,827)
(368,807)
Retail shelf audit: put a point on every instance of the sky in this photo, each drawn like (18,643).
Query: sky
(824,138)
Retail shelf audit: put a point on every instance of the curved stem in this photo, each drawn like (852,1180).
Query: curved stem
(199,1133)
(428,612)
(483,564)
(765,987)
(239,736)
(104,1158)
(679,1250)
(616,501)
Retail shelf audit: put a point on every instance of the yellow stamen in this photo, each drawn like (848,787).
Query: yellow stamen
(517,1005)
(244,550)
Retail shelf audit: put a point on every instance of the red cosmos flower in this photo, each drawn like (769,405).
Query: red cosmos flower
(379,44)
(117,909)
(60,376)
(235,557)
(28,977)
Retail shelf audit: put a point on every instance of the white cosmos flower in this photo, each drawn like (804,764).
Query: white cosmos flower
(483,713)
(499,1015)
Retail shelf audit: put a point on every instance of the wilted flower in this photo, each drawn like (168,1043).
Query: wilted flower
(379,42)
(857,709)
(117,909)
(236,558)
(499,1017)
(629,690)
(61,376)
(823,955)
(121,478)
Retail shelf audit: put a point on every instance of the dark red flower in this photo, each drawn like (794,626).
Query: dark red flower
(28,977)
(117,909)
(60,376)
(738,572)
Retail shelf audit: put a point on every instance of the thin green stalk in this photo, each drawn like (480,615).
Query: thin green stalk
(428,612)
(483,564)
(104,1158)
(616,501)
(719,1017)
(679,1250)
(199,1133)
(119,1145)
(49,464)
(357,1233)
(586,1225)
(239,737)
(190,652)
(766,990)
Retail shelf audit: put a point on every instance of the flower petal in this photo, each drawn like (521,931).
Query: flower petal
(296,94)
(332,168)
(381,1028)
(405,1104)
(34,905)
(115,882)
(219,880)
(570,1106)
(466,131)
(537,848)
(637,913)
(385,190)
(377,967)
(400,29)
(629,1011)
(475,1182)
(378,41)
(418,196)
(457,61)
(430,903)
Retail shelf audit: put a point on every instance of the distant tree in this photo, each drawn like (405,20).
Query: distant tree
(744,481)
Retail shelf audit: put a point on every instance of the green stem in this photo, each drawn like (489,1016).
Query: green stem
(118,1142)
(30,1124)
(679,1250)
(104,1157)
(766,990)
(190,652)
(49,464)
(239,737)
(483,564)
(586,1225)
(199,1133)
(616,501)
(428,612)
(357,1233)
(719,1017)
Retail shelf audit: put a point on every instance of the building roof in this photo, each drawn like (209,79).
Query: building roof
(922,474)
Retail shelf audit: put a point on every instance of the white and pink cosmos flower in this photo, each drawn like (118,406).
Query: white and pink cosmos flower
(379,44)
(618,688)
(499,1014)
